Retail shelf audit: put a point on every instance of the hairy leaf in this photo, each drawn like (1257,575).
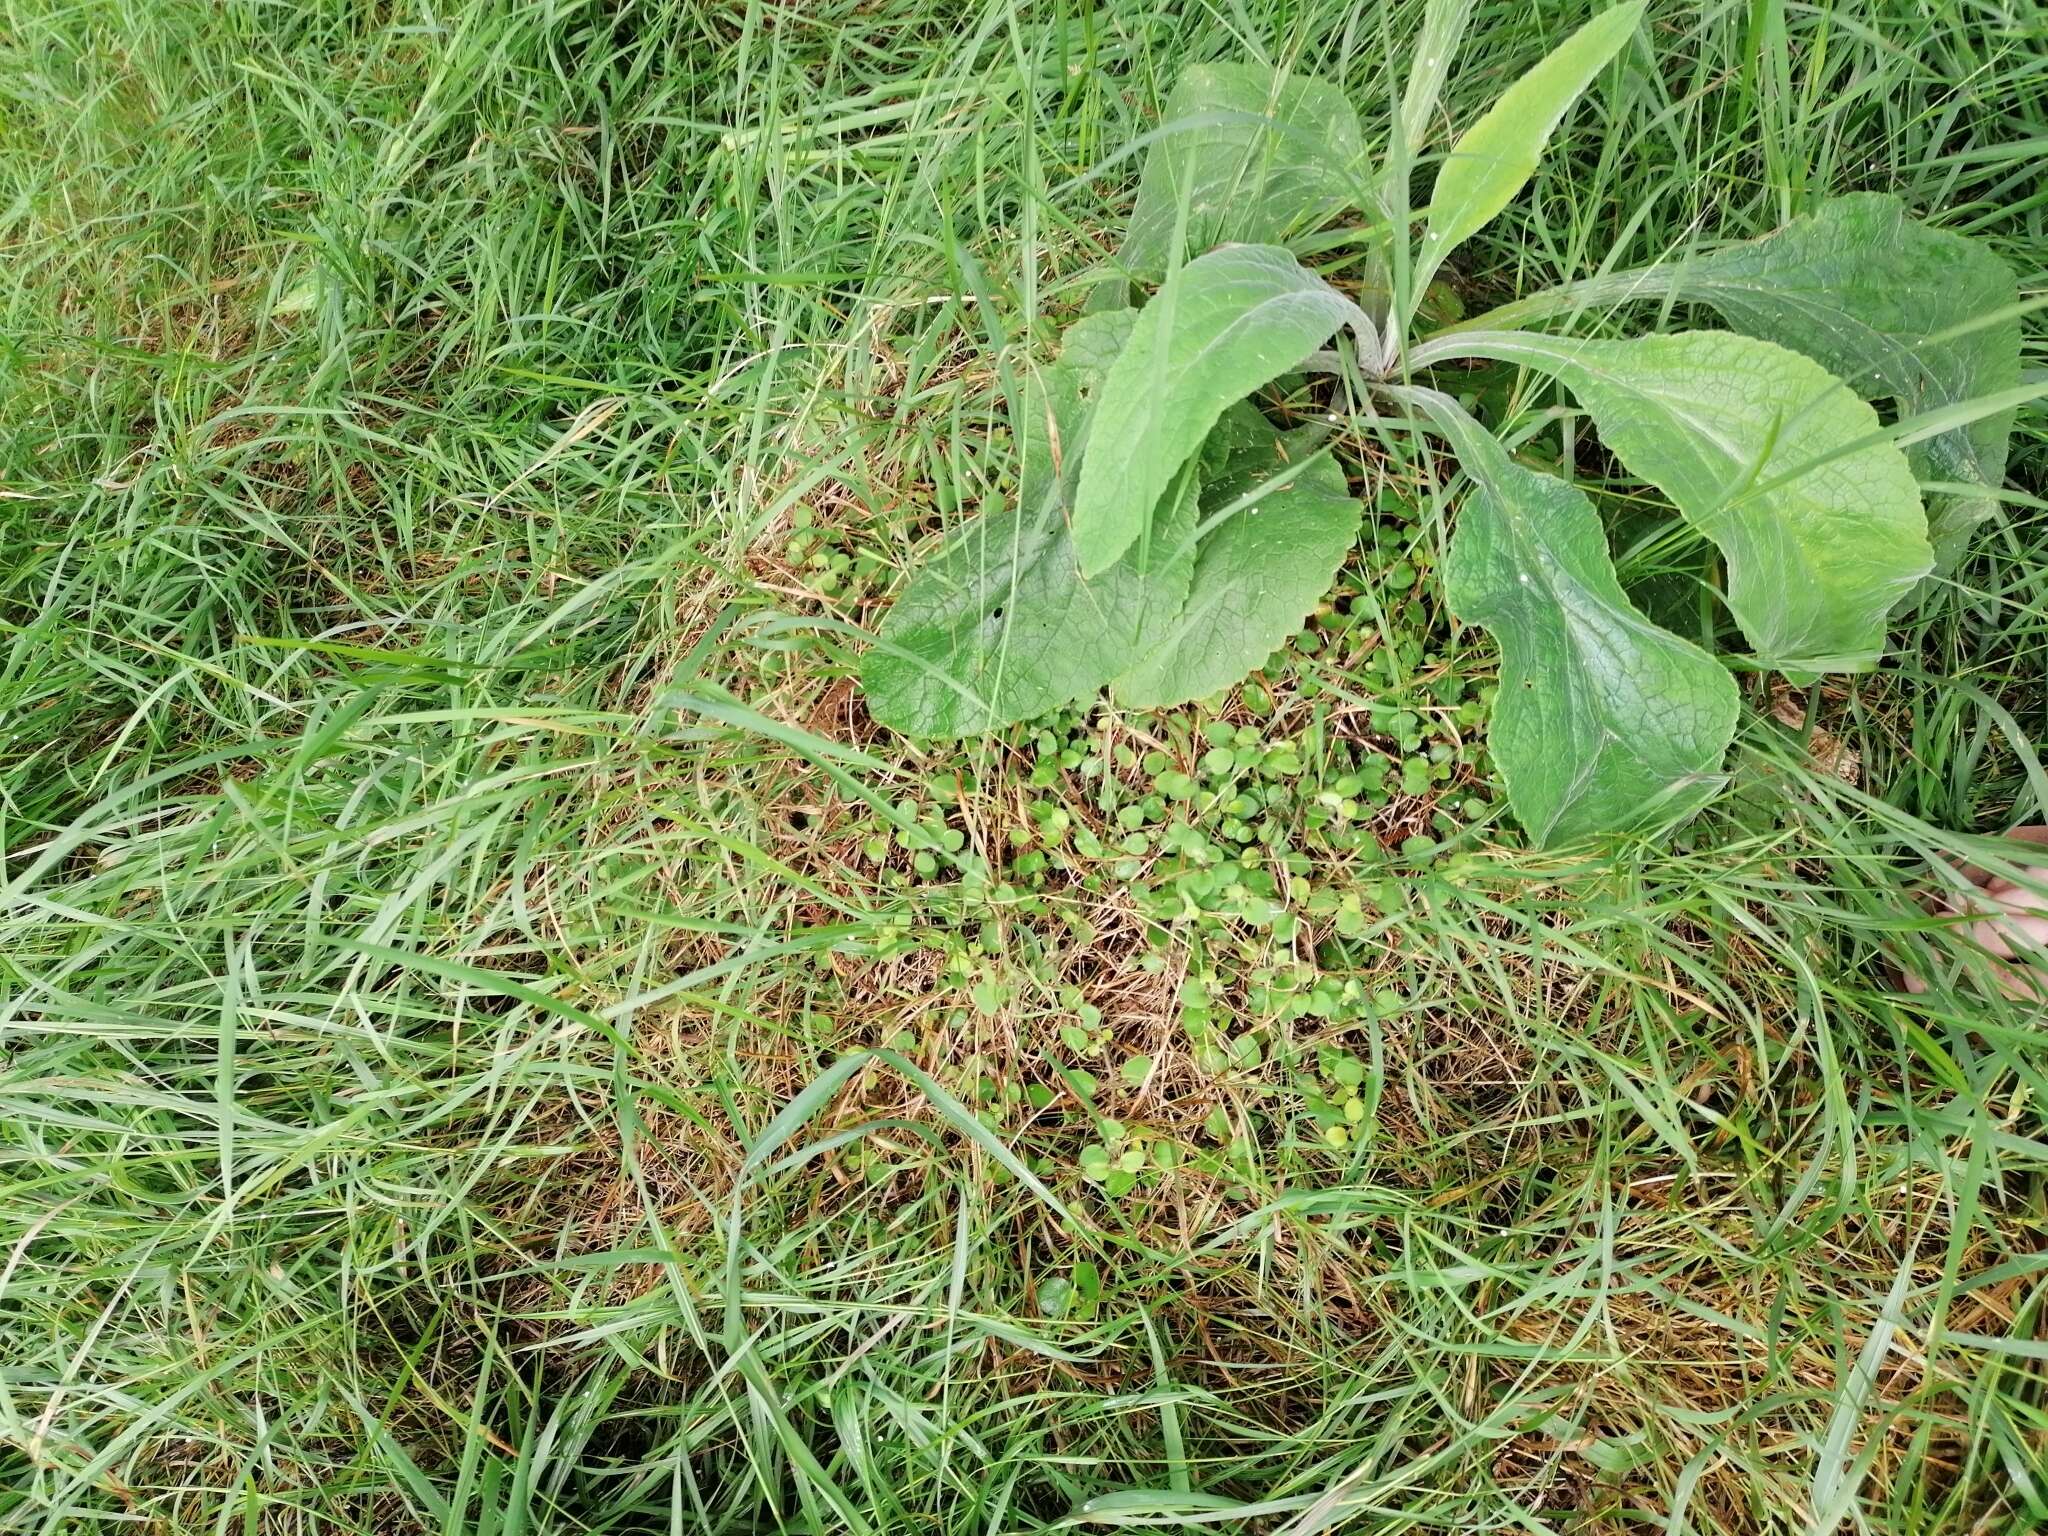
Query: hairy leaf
(1241,435)
(1253,154)
(1443,28)
(1815,512)
(1259,572)
(999,625)
(1219,328)
(1497,155)
(1898,311)
(1604,722)
(1091,344)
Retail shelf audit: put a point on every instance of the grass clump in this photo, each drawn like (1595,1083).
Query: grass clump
(496,1040)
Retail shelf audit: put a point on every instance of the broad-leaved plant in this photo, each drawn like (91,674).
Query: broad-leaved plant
(1166,537)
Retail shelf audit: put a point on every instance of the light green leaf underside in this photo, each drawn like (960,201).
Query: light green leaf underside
(1604,722)
(1258,573)
(1241,436)
(1496,156)
(1872,295)
(1218,329)
(1429,65)
(998,626)
(1255,155)
(1816,514)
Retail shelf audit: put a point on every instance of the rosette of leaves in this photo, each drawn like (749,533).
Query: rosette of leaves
(1167,537)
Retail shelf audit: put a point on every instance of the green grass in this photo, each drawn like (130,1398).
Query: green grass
(450,456)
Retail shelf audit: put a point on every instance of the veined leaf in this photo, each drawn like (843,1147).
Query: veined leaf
(1443,28)
(1219,328)
(1258,573)
(1090,345)
(1253,154)
(1898,311)
(1604,722)
(1240,436)
(999,626)
(1497,155)
(1773,458)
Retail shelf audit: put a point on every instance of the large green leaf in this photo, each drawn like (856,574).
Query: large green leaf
(1604,722)
(1899,311)
(1815,512)
(1253,154)
(1923,317)
(1219,328)
(1259,572)
(999,626)
(1496,156)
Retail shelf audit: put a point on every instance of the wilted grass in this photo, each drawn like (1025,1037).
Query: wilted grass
(450,457)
